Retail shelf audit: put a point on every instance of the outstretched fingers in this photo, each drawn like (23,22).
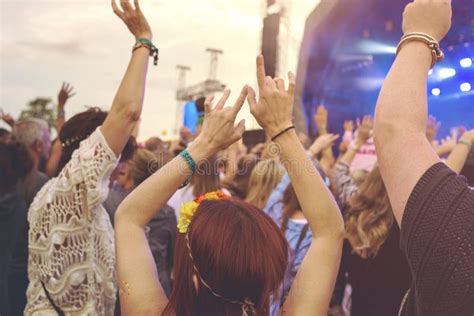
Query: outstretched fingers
(261,72)
(240,101)
(208,104)
(292,83)
(220,105)
(117,11)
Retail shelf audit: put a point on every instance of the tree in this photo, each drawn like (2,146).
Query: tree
(41,108)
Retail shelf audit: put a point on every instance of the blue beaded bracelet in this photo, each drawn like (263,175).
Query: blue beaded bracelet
(191,165)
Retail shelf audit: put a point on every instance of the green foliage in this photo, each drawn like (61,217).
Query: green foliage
(41,108)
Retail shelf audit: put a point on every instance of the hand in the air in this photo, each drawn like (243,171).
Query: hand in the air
(432,17)
(274,109)
(133,18)
(364,129)
(66,92)
(219,130)
(321,119)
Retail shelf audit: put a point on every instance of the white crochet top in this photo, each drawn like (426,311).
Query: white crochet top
(71,239)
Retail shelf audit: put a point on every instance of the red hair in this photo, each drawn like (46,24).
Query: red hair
(238,250)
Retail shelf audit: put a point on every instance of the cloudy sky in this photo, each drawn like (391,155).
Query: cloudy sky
(45,42)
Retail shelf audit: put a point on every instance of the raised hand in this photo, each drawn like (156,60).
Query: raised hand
(432,128)
(364,129)
(274,109)
(133,18)
(219,130)
(468,137)
(66,92)
(349,126)
(432,17)
(322,142)
(321,119)
(7,118)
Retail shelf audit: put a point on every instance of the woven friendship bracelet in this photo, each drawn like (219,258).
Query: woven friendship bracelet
(144,42)
(191,165)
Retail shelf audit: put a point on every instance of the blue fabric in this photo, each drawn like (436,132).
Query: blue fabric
(274,208)
(191,116)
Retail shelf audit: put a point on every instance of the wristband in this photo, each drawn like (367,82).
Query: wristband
(436,52)
(191,165)
(282,132)
(469,145)
(61,113)
(144,42)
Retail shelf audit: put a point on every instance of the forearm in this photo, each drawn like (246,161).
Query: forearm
(458,157)
(327,160)
(155,192)
(402,104)
(350,154)
(316,201)
(127,105)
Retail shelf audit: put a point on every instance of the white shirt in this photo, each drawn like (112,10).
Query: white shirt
(71,239)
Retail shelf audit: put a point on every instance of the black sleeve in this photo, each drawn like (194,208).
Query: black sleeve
(437,236)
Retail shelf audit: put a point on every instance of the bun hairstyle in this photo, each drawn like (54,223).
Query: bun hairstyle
(237,253)
(15,164)
(81,126)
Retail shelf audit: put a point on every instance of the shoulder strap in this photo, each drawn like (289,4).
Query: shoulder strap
(56,308)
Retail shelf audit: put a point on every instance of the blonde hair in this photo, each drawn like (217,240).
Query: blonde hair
(264,178)
(369,218)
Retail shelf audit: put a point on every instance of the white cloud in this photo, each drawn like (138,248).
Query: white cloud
(45,42)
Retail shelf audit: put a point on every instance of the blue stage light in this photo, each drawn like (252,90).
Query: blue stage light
(465,87)
(445,73)
(465,62)
(436,92)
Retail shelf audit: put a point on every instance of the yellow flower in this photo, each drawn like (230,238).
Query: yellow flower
(188,209)
(185,215)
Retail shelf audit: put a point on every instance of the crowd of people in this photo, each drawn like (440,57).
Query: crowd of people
(93,223)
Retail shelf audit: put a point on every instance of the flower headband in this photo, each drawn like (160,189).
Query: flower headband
(189,209)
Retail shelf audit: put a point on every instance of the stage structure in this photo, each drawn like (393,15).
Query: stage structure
(207,87)
(348,47)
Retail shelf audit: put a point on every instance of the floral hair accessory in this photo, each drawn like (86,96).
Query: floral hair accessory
(189,209)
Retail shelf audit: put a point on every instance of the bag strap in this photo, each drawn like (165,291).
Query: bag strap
(303,233)
(56,308)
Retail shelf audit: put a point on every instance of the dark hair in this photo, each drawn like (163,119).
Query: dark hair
(290,206)
(206,179)
(15,164)
(238,251)
(81,126)
(5,136)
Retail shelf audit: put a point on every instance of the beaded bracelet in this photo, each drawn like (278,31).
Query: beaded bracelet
(144,42)
(191,165)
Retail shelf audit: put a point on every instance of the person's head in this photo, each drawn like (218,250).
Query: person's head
(155,144)
(144,163)
(15,163)
(264,178)
(240,184)
(369,216)
(206,179)
(5,136)
(237,250)
(81,126)
(34,134)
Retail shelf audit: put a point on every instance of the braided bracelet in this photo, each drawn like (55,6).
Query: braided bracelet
(191,165)
(144,42)
(282,132)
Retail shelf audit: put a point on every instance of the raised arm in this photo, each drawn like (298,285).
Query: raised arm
(312,289)
(404,153)
(127,105)
(141,290)
(457,158)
